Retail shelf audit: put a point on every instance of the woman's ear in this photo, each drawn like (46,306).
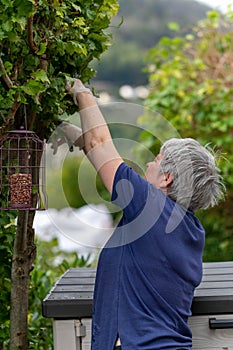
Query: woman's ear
(169,179)
(166,180)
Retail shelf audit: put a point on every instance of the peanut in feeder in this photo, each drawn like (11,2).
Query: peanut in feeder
(22,175)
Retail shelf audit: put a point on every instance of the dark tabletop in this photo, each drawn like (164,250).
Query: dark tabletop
(72,295)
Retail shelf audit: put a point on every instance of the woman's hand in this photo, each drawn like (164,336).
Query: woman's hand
(72,84)
(74,134)
(67,133)
(74,87)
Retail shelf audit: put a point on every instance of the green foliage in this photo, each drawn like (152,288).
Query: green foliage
(79,187)
(50,264)
(7,231)
(192,87)
(41,42)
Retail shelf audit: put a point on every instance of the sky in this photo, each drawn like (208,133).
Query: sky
(221,4)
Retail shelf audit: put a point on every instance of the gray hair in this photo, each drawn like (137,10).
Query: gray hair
(197,183)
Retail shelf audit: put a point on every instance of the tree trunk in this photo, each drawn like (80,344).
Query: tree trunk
(23,256)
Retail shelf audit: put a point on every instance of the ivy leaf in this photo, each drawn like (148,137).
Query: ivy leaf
(76,7)
(73,46)
(24,7)
(41,75)
(42,49)
(78,22)
(33,88)
(7,26)
(8,66)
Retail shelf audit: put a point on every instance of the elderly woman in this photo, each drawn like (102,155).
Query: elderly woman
(151,265)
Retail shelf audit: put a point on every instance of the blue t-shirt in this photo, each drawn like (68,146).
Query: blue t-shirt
(148,270)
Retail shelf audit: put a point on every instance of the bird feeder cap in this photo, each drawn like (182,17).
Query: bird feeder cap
(21,131)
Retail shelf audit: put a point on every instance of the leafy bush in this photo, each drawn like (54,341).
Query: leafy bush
(41,42)
(7,231)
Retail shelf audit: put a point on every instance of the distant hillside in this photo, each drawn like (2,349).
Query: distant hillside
(144,23)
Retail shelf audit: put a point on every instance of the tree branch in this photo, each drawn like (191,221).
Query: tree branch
(30,35)
(9,120)
(31,42)
(5,76)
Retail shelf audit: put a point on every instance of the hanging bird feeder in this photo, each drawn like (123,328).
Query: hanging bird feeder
(22,174)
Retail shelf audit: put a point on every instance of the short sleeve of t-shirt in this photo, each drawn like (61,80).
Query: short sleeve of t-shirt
(130,191)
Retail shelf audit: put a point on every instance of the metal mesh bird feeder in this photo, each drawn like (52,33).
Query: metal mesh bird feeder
(22,174)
